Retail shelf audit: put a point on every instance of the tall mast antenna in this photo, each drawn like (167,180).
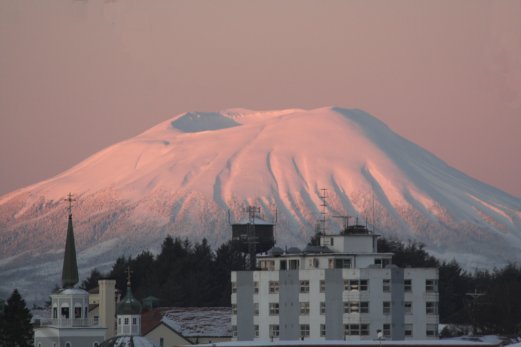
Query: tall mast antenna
(323,196)
(374,221)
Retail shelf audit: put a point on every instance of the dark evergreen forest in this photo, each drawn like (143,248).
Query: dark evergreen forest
(182,274)
(185,274)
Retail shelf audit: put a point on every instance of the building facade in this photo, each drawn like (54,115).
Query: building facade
(72,323)
(341,289)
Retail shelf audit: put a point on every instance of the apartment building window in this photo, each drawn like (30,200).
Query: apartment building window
(256,287)
(342,263)
(294,264)
(322,286)
(322,308)
(432,330)
(364,307)
(431,307)
(364,329)
(407,307)
(386,286)
(274,287)
(386,307)
(356,329)
(322,330)
(304,330)
(234,287)
(256,330)
(350,285)
(382,262)
(431,286)
(274,330)
(126,321)
(234,308)
(283,265)
(407,328)
(267,265)
(234,330)
(361,285)
(274,308)
(387,330)
(256,309)
(407,285)
(304,308)
(304,286)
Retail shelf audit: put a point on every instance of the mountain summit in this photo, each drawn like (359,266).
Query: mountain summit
(183,175)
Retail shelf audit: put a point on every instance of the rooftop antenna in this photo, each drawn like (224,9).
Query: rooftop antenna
(374,221)
(323,196)
(345,219)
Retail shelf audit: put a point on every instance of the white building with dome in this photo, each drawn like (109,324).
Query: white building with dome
(128,323)
(70,324)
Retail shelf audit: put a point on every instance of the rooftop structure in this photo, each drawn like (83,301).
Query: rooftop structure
(187,325)
(339,289)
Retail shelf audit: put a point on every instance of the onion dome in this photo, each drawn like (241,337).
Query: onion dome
(129,305)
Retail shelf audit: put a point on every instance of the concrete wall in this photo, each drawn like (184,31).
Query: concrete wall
(107,306)
(289,307)
(245,328)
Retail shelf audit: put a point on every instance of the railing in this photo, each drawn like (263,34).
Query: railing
(70,322)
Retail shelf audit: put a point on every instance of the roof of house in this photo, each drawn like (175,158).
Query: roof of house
(190,321)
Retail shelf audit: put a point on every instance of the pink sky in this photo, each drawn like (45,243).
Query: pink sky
(77,76)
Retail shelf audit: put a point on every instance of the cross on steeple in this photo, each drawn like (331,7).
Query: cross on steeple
(129,272)
(70,200)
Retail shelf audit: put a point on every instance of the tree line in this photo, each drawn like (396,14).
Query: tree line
(16,329)
(182,274)
(185,274)
(487,300)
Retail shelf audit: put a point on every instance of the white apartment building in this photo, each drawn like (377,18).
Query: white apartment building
(342,289)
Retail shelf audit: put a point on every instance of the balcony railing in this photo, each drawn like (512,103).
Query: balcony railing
(70,322)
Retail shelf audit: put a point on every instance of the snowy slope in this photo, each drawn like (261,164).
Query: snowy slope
(181,176)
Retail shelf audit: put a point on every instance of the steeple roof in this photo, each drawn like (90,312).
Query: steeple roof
(129,305)
(70,265)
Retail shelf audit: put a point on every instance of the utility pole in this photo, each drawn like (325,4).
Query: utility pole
(472,308)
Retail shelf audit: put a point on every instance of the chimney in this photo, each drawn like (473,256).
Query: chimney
(107,306)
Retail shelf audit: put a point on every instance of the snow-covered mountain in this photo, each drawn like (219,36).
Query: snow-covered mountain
(181,176)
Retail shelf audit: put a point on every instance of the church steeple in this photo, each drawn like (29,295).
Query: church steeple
(70,265)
